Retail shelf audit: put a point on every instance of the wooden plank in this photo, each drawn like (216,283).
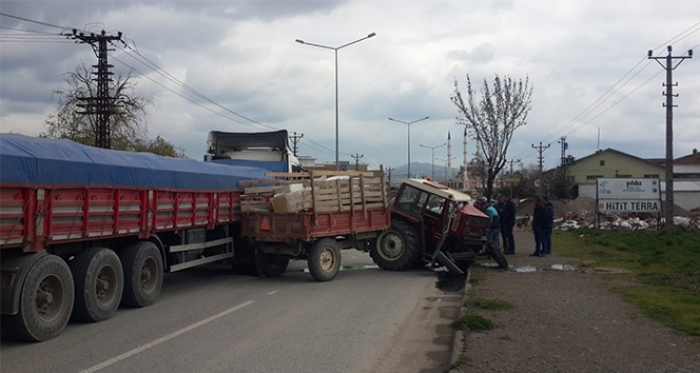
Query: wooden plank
(349,208)
(273,182)
(287,174)
(364,200)
(259,190)
(319,173)
(313,199)
(383,185)
(340,202)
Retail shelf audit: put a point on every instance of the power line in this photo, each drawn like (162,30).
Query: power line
(527,153)
(33,21)
(153,66)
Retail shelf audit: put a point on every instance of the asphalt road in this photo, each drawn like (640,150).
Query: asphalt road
(210,319)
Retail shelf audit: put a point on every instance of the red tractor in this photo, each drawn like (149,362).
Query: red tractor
(431,222)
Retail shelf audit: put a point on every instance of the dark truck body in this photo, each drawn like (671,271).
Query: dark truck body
(64,207)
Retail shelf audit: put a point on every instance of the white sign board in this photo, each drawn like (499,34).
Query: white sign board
(636,189)
(630,205)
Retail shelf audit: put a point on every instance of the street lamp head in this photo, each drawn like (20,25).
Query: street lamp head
(371,35)
(300,41)
(690,53)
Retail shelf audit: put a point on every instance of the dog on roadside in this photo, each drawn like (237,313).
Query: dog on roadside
(523,222)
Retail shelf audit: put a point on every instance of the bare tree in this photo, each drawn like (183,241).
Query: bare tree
(127,119)
(493,117)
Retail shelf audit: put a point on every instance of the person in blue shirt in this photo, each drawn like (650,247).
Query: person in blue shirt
(494,222)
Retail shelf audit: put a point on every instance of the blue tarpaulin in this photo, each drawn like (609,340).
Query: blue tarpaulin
(36,161)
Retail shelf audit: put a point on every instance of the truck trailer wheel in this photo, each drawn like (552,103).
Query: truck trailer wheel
(143,274)
(270,265)
(46,301)
(324,259)
(396,249)
(99,282)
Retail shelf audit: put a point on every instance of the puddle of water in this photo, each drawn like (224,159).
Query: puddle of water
(562,267)
(526,269)
(489,264)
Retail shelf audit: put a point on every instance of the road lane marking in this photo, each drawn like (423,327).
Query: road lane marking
(272,292)
(166,338)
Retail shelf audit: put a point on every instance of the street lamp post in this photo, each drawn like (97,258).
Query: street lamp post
(446,160)
(409,139)
(432,148)
(335,49)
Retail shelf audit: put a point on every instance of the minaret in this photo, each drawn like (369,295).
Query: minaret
(449,156)
(464,162)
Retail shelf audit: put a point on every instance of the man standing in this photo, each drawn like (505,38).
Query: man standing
(549,224)
(507,224)
(494,222)
(539,216)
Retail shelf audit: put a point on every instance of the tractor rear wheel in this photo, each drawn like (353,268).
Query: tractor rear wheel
(397,248)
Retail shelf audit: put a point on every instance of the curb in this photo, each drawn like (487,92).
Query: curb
(459,336)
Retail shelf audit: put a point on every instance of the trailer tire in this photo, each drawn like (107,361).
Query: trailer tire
(143,274)
(396,249)
(270,265)
(99,283)
(497,255)
(46,301)
(324,259)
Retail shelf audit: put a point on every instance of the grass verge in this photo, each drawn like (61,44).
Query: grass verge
(666,265)
(471,322)
(488,303)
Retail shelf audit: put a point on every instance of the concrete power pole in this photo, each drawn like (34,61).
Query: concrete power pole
(669,67)
(540,149)
(388,175)
(357,158)
(564,147)
(295,139)
(103,104)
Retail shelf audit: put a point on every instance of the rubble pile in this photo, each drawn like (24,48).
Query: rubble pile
(576,220)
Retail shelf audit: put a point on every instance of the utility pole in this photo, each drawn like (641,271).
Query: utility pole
(511,175)
(564,147)
(357,158)
(103,104)
(540,149)
(447,161)
(669,67)
(295,139)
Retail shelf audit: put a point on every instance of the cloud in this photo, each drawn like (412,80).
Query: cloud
(242,55)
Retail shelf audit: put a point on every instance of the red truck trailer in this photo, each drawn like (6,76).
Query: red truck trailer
(323,216)
(83,230)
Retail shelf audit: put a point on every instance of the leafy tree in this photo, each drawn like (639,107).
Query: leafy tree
(127,119)
(493,117)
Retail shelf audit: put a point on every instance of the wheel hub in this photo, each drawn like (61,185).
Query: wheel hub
(49,298)
(392,246)
(327,260)
(148,277)
(104,291)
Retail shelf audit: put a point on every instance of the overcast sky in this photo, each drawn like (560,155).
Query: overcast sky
(242,55)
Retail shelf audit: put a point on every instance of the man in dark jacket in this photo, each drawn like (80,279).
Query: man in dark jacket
(549,224)
(507,223)
(539,217)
